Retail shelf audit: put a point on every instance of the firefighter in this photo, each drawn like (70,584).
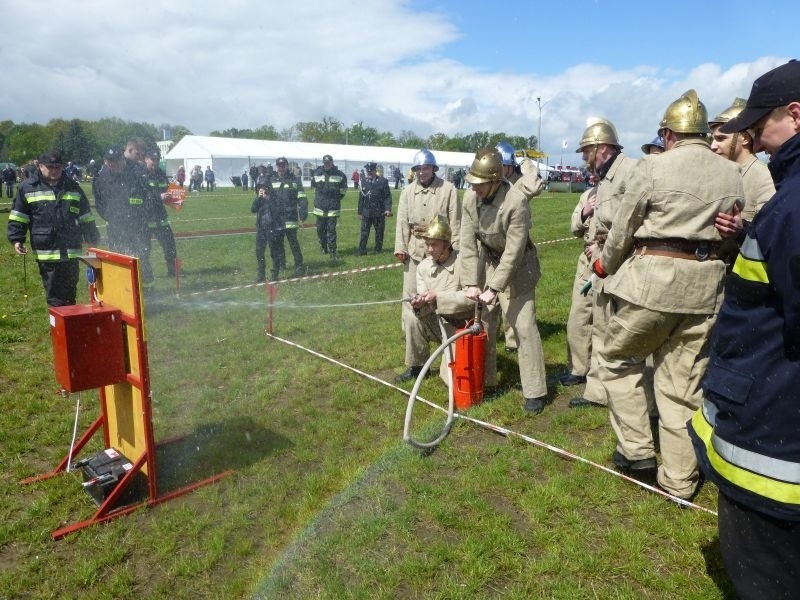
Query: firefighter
(288,194)
(119,194)
(745,434)
(603,156)
(420,203)
(374,205)
(668,288)
(498,257)
(158,222)
(54,209)
(439,291)
(738,147)
(330,186)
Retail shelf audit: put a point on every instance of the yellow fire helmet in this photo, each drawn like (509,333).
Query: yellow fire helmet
(438,230)
(486,166)
(730,112)
(598,131)
(686,115)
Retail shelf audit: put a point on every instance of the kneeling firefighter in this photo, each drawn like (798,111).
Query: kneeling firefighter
(440,306)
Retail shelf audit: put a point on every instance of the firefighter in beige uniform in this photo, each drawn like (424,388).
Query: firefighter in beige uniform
(738,147)
(668,286)
(579,322)
(603,156)
(420,203)
(439,292)
(498,257)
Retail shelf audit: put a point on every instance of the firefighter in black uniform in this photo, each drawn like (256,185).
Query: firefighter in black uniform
(157,220)
(267,219)
(56,212)
(374,205)
(330,185)
(292,205)
(119,193)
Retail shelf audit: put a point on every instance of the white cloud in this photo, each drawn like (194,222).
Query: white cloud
(213,65)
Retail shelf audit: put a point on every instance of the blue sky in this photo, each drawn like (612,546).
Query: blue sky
(398,65)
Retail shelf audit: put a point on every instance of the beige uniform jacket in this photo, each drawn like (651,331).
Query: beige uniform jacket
(445,280)
(580,227)
(418,207)
(674,195)
(496,235)
(758,187)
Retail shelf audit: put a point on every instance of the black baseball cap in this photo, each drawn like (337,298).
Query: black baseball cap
(327,158)
(50,158)
(777,87)
(371,166)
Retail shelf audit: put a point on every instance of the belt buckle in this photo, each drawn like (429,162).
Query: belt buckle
(702,252)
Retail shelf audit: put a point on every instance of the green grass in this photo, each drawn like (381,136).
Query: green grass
(326,500)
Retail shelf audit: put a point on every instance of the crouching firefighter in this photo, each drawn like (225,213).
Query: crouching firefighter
(266,221)
(439,294)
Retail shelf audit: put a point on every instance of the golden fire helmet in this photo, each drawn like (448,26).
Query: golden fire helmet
(730,112)
(487,166)
(438,230)
(598,131)
(686,115)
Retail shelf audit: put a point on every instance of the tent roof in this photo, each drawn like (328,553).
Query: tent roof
(196,146)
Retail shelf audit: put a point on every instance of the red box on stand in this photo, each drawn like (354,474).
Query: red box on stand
(88,346)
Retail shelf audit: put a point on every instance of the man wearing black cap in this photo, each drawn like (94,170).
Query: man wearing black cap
(330,185)
(55,210)
(746,432)
(119,197)
(290,198)
(374,205)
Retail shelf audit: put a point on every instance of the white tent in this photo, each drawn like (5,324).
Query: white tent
(230,157)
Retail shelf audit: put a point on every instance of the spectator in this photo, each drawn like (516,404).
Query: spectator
(9,176)
(180,176)
(244,181)
(355,177)
(209,177)
(374,205)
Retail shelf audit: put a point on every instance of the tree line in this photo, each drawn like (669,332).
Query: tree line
(81,140)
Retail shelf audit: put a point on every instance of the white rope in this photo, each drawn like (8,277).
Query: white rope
(506,432)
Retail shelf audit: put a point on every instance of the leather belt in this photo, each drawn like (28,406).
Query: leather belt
(676,248)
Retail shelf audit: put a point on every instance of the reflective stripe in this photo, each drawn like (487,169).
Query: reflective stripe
(771,478)
(322,213)
(751,270)
(291,225)
(50,255)
(135,201)
(301,194)
(19,217)
(750,249)
(40,197)
(86,218)
(71,197)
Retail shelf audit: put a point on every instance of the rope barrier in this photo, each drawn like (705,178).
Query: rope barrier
(504,431)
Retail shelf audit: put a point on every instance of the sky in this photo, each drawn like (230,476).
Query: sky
(447,66)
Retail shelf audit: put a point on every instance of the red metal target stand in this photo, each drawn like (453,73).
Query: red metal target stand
(112,324)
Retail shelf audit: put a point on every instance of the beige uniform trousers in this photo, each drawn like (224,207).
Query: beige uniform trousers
(679,345)
(426,329)
(417,348)
(579,322)
(520,315)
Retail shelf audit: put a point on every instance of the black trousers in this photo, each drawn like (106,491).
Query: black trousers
(761,553)
(278,251)
(379,223)
(326,232)
(264,239)
(166,239)
(60,281)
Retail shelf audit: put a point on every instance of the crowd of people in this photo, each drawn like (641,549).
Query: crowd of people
(685,317)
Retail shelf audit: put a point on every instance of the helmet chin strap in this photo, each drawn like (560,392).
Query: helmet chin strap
(732,150)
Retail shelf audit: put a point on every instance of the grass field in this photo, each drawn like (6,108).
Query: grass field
(326,500)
